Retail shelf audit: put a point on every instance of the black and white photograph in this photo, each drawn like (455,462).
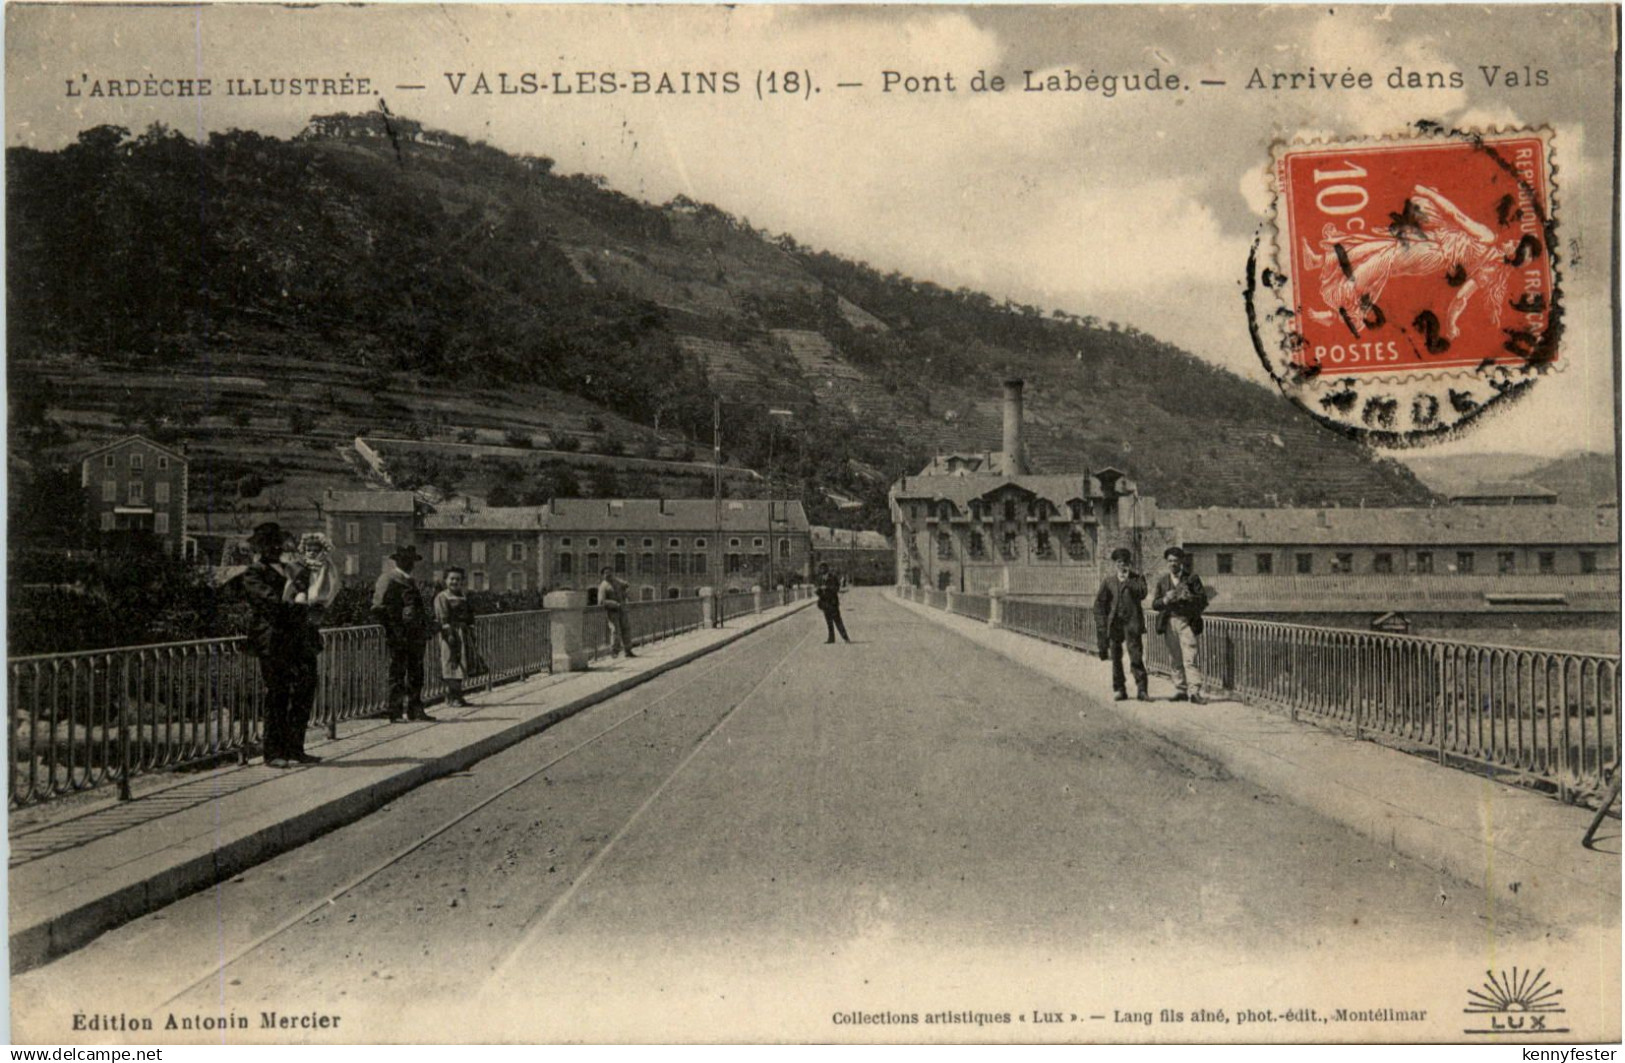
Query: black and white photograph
(813,524)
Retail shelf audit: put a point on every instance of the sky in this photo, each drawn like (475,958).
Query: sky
(1140,208)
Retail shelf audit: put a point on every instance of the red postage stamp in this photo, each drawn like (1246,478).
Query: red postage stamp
(1402,261)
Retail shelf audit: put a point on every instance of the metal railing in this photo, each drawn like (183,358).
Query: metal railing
(99,717)
(975,606)
(1540,718)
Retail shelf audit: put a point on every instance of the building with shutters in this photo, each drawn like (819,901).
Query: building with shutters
(134,488)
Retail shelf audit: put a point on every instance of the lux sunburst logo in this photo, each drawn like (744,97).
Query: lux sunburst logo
(1519,1003)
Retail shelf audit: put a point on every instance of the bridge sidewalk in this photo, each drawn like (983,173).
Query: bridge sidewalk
(1519,847)
(82,866)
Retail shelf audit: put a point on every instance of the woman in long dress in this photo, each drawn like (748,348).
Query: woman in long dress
(454,620)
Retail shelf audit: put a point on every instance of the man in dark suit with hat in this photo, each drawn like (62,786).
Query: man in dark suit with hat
(286,641)
(398,606)
(1120,623)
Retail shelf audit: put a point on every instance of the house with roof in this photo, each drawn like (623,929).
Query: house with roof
(670,548)
(499,548)
(367,526)
(135,488)
(973,521)
(859,557)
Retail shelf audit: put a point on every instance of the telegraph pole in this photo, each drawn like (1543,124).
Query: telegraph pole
(716,543)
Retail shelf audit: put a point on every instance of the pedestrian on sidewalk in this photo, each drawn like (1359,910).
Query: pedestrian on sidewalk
(397,604)
(1120,624)
(829,602)
(1179,603)
(612,596)
(283,635)
(454,630)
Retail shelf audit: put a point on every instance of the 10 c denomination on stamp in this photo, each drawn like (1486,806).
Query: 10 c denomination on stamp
(1412,282)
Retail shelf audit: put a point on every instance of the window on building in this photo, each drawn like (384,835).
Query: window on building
(945,545)
(516,550)
(620,544)
(160,523)
(567,563)
(1588,561)
(1224,564)
(387,533)
(648,594)
(646,562)
(1506,562)
(592,543)
(1077,547)
(352,532)
(440,550)
(674,564)
(1464,561)
(977,545)
(1305,563)
(478,580)
(784,547)
(1382,564)
(1424,562)
(1342,564)
(109,490)
(138,492)
(137,462)
(352,565)
(516,580)
(699,566)
(478,551)
(1041,544)
(647,543)
(1076,507)
(620,563)
(593,566)
(757,543)
(160,492)
(733,544)
(699,544)
(564,541)
(1547,562)
(733,563)
(1265,563)
(107,521)
(673,544)
(1010,546)
(1009,509)
(673,592)
(163,463)
(107,461)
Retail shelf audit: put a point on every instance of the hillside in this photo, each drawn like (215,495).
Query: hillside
(1580,478)
(267,300)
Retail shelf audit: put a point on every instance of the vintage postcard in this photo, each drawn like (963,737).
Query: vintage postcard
(769,523)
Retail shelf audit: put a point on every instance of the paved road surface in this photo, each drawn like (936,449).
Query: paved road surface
(787,829)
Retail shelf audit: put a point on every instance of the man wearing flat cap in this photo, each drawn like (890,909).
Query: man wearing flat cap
(398,606)
(1121,624)
(1179,602)
(282,633)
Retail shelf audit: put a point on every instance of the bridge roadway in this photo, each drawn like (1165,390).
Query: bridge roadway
(784,830)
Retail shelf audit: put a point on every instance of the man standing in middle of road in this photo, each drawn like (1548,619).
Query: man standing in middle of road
(1120,623)
(829,602)
(398,606)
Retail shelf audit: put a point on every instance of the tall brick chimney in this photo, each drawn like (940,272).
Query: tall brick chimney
(1015,463)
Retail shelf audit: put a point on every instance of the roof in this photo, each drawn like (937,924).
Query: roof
(1504,489)
(171,451)
(845,539)
(1432,526)
(496,518)
(961,488)
(371,502)
(671,514)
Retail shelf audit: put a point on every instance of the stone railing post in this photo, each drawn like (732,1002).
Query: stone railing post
(995,607)
(948,600)
(567,624)
(756,598)
(708,606)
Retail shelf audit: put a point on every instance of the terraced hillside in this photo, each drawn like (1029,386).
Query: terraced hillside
(357,283)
